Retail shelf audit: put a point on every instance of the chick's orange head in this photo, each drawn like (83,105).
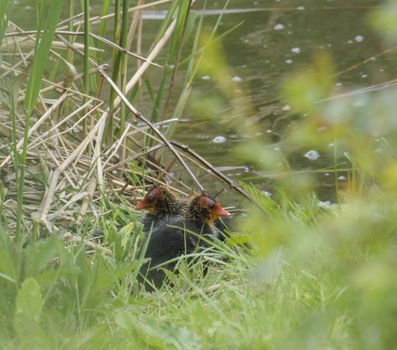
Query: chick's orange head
(148,202)
(214,208)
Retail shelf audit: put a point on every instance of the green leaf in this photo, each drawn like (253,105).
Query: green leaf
(8,259)
(40,255)
(29,304)
(146,333)
(158,334)
(41,53)
(29,301)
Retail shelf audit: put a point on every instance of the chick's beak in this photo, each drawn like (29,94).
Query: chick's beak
(142,204)
(219,211)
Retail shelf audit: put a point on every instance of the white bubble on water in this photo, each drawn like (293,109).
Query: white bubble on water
(237,79)
(205,77)
(312,155)
(296,50)
(359,38)
(219,139)
(289,61)
(279,26)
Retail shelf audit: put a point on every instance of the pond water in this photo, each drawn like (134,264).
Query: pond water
(275,38)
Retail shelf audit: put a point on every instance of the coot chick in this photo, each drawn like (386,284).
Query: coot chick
(179,236)
(161,206)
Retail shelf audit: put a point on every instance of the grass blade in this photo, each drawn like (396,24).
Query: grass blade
(41,55)
(86,67)
(42,50)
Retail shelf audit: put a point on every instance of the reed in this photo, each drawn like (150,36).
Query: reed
(41,52)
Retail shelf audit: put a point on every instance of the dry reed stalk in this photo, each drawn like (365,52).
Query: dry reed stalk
(76,166)
(216,173)
(48,197)
(77,46)
(69,237)
(121,97)
(37,124)
(96,19)
(158,132)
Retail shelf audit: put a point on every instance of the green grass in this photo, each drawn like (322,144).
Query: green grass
(321,287)
(300,274)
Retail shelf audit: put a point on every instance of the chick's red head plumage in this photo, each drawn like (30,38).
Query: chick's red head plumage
(206,209)
(149,201)
(157,200)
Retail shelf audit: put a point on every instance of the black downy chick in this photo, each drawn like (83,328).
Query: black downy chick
(179,236)
(162,206)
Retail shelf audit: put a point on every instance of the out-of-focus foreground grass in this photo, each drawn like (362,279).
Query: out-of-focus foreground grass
(310,275)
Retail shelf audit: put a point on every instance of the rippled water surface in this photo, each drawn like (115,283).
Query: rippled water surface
(274,39)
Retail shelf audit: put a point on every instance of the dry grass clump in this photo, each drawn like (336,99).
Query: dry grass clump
(84,137)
